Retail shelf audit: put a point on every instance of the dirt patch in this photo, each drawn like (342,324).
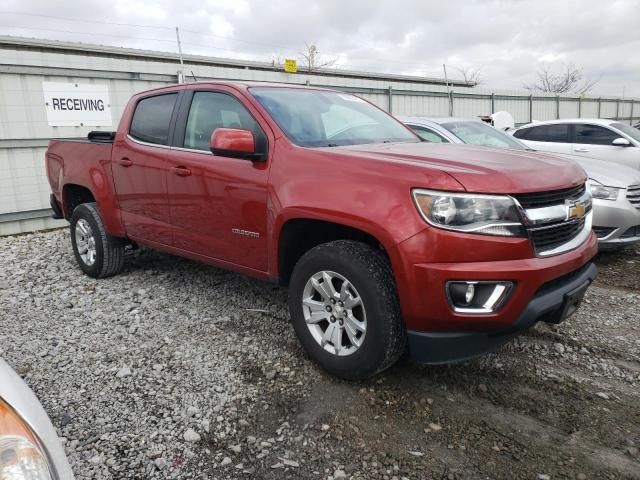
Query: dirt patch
(619,269)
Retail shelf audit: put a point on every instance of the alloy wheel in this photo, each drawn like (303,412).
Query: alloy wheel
(85,242)
(334,313)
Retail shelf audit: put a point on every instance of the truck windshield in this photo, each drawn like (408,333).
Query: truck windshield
(317,118)
(477,133)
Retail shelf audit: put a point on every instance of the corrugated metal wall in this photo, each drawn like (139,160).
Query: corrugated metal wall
(24,134)
(24,130)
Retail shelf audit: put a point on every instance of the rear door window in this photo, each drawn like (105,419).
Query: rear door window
(557,133)
(594,134)
(428,135)
(479,133)
(152,117)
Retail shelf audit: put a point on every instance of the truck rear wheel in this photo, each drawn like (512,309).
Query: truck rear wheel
(98,254)
(345,309)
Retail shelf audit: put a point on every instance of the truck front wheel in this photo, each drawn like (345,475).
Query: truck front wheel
(345,310)
(98,254)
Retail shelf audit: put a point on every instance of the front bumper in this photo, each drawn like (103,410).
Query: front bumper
(546,305)
(424,264)
(614,222)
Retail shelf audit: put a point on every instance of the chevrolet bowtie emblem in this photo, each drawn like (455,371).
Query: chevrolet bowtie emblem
(576,210)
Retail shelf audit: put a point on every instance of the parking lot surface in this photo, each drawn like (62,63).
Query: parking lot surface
(174,369)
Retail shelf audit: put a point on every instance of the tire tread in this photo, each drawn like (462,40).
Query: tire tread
(377,267)
(113,247)
(380,270)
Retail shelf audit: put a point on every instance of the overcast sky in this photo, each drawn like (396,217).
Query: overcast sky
(507,40)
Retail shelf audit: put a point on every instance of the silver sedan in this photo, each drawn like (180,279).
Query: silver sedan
(615,189)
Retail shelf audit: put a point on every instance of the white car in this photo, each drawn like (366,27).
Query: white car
(29,445)
(607,140)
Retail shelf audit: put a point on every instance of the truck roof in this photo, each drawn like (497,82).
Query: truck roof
(243,85)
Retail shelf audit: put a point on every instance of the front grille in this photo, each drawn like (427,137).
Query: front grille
(554,230)
(602,232)
(548,238)
(633,195)
(631,232)
(546,199)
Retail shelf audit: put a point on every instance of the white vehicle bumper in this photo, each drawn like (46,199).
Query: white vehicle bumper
(616,223)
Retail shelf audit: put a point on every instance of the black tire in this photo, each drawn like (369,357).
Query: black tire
(109,251)
(369,271)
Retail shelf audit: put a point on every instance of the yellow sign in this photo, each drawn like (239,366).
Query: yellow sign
(290,65)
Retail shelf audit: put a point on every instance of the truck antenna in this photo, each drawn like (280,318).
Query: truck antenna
(180,74)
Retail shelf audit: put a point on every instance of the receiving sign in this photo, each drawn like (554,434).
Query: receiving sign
(77,104)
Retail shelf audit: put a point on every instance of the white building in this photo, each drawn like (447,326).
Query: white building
(34,72)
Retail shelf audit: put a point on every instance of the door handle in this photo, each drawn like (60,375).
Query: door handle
(181,171)
(580,149)
(125,162)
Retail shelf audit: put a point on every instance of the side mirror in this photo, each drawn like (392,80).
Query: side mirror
(621,142)
(235,143)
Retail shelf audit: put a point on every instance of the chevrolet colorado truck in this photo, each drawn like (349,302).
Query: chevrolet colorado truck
(386,243)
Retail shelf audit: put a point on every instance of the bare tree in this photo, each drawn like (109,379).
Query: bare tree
(471,76)
(314,60)
(569,80)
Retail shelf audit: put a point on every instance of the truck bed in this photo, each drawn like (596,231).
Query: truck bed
(79,162)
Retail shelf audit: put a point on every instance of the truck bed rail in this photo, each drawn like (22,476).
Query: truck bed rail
(101,137)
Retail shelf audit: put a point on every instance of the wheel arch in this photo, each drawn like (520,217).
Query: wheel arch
(73,195)
(298,234)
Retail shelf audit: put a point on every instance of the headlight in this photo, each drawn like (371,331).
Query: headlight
(469,213)
(598,190)
(21,457)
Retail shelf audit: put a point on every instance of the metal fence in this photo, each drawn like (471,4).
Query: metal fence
(525,108)
(529,108)
(24,130)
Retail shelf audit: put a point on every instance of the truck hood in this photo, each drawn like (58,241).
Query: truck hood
(480,169)
(616,175)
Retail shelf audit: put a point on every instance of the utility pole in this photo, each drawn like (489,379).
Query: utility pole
(180,72)
(446,80)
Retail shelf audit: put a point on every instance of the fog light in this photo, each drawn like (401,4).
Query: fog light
(471,291)
(477,297)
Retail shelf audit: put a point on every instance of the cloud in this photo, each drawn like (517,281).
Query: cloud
(507,40)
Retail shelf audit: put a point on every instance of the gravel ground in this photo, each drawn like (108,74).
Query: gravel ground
(178,370)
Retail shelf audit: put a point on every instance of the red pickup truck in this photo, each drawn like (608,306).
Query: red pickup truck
(386,242)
